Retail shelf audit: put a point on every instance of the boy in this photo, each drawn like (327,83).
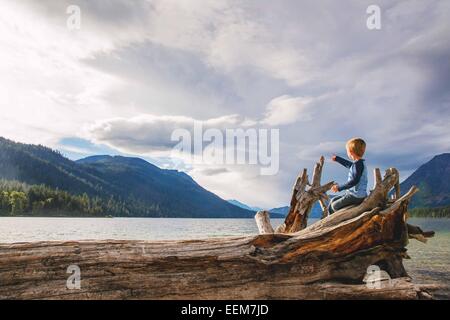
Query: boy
(356,185)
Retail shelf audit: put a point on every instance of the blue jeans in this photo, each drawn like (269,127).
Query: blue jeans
(340,202)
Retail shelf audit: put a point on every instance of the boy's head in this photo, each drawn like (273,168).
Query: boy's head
(356,148)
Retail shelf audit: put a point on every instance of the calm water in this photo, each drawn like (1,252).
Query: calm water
(429,262)
(41,229)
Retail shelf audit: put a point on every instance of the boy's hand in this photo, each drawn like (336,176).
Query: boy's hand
(334,188)
(333,157)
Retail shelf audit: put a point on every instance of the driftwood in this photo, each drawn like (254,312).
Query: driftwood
(262,219)
(381,221)
(303,199)
(327,260)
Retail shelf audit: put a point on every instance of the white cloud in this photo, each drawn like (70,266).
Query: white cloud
(286,110)
(151,134)
(315,151)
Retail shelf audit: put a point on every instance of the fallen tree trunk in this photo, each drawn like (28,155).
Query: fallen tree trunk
(207,269)
(271,266)
(327,260)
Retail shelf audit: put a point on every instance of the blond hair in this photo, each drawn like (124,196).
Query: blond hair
(357,146)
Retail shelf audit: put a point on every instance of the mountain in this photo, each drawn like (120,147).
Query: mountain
(433,180)
(243,205)
(316,211)
(132,185)
(281,210)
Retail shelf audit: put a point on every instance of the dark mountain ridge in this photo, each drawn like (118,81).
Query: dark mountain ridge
(433,180)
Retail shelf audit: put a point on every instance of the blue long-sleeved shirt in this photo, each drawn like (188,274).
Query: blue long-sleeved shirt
(357,177)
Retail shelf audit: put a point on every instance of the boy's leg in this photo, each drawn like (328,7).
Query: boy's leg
(345,201)
(330,205)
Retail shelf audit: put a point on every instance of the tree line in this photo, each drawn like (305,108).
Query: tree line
(17,198)
(440,212)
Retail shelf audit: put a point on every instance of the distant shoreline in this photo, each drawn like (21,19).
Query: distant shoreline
(432,213)
(136,217)
(438,212)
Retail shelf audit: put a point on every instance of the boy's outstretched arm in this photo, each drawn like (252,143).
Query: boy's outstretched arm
(356,176)
(342,161)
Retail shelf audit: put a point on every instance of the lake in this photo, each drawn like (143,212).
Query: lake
(429,262)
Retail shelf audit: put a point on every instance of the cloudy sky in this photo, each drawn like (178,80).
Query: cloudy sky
(137,70)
